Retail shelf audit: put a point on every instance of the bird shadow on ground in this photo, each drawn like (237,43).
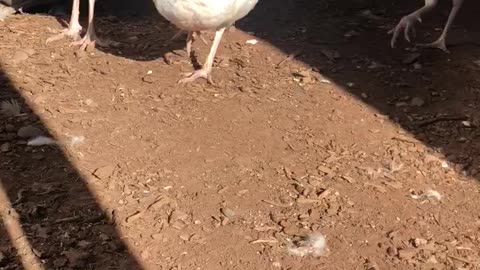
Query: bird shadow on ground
(45,203)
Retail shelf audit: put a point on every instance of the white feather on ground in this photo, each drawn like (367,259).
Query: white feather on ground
(314,244)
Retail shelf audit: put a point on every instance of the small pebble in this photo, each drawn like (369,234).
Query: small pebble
(229,213)
(5,147)
(417,102)
(29,132)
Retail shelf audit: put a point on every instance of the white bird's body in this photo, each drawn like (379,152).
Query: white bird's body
(199,15)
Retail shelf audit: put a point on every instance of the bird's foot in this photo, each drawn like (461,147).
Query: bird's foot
(91,41)
(71,32)
(407,26)
(200,73)
(439,44)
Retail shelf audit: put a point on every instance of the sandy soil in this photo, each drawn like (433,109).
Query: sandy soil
(320,127)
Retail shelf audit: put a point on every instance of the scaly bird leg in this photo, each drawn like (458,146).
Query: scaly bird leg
(440,43)
(74,27)
(206,71)
(90,37)
(191,39)
(179,32)
(407,23)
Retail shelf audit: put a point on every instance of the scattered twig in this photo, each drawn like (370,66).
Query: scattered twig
(276,204)
(19,196)
(460,259)
(92,219)
(404,139)
(290,57)
(264,229)
(308,201)
(263,241)
(441,119)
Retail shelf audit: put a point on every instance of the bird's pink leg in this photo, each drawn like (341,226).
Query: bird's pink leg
(206,71)
(440,43)
(189,43)
(191,39)
(407,23)
(199,34)
(90,37)
(74,27)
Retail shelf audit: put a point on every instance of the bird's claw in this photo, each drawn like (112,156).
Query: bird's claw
(73,33)
(192,76)
(439,44)
(407,25)
(91,41)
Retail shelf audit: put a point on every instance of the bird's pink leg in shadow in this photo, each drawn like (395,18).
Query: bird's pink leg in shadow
(206,71)
(189,41)
(440,43)
(90,37)
(74,27)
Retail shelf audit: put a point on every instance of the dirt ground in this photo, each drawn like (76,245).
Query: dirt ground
(319,128)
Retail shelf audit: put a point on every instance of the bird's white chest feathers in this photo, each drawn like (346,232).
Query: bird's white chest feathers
(197,15)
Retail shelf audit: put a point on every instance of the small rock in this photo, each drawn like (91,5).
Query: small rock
(392,251)
(104,172)
(30,51)
(104,237)
(410,58)
(198,239)
(157,236)
(185,237)
(418,242)
(145,254)
(19,56)
(407,254)
(417,66)
(5,147)
(148,79)
(418,102)
(89,102)
(277,264)
(371,265)
(432,260)
(28,132)
(229,213)
(85,244)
